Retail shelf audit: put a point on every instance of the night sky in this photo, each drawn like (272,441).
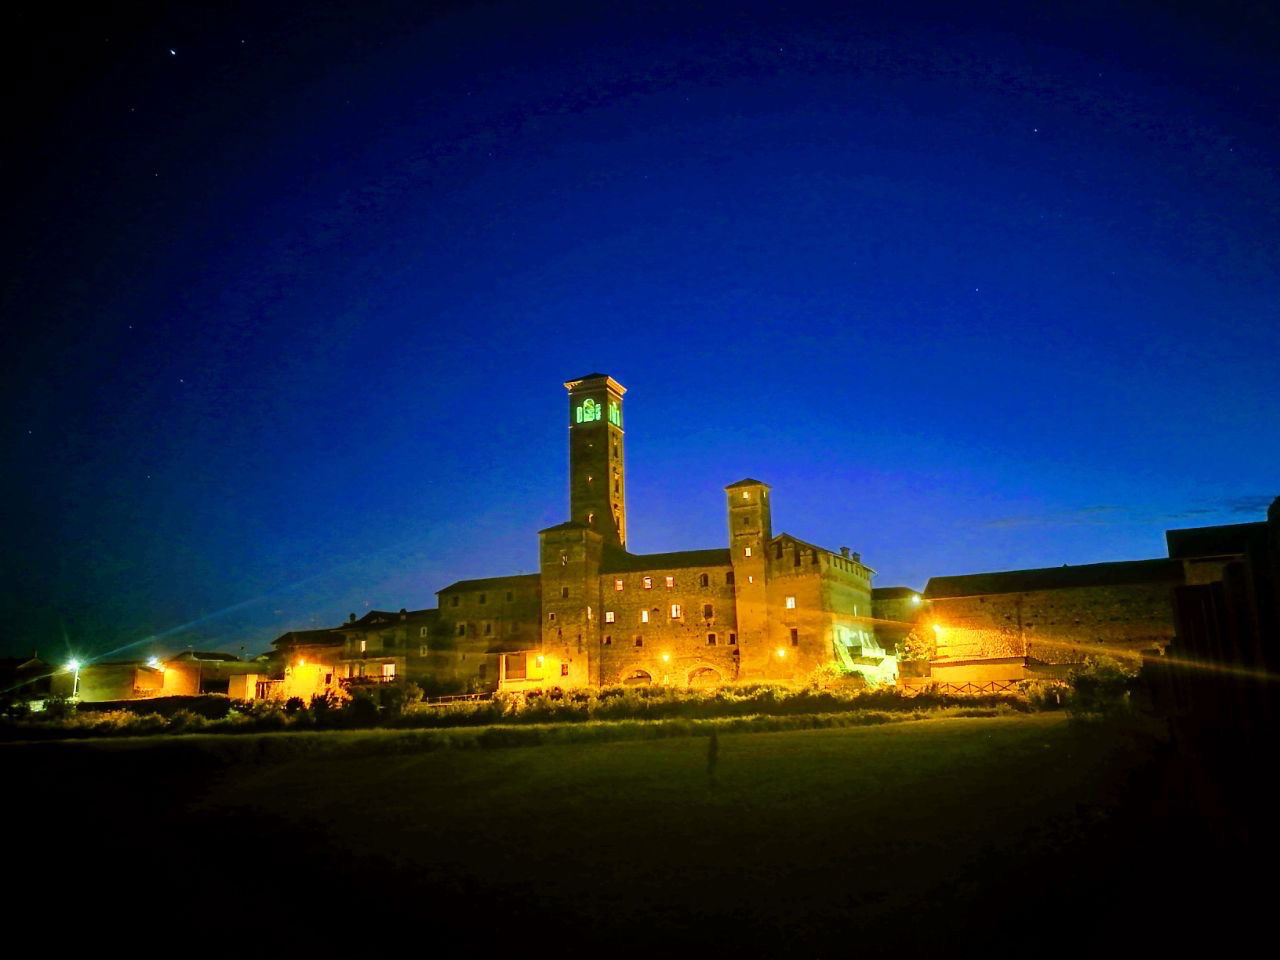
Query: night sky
(289,295)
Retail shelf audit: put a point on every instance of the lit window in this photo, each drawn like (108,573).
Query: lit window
(648,583)
(564,669)
(707,611)
(671,582)
(364,645)
(675,611)
(608,616)
(388,670)
(795,637)
(746,551)
(791,603)
(644,616)
(564,559)
(422,650)
(750,579)
(745,495)
(617,584)
(422,631)
(711,639)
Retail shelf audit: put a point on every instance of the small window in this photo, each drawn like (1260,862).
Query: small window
(564,593)
(746,551)
(644,616)
(795,562)
(791,603)
(388,670)
(704,580)
(639,641)
(750,578)
(711,639)
(483,598)
(462,630)
(488,628)
(608,616)
(364,645)
(453,601)
(728,578)
(707,611)
(608,640)
(551,617)
(675,611)
(671,582)
(795,637)
(648,583)
(422,631)
(564,559)
(617,585)
(733,639)
(745,495)
(564,669)
(422,650)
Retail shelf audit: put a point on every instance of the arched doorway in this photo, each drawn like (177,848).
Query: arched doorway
(705,677)
(638,678)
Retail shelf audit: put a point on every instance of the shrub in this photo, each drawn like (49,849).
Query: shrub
(1099,689)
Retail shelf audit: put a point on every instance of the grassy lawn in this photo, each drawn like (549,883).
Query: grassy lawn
(904,836)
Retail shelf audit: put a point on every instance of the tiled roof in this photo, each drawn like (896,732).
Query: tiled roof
(619,561)
(1123,573)
(1214,541)
(747,482)
(892,593)
(494,583)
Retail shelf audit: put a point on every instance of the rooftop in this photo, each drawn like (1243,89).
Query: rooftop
(1123,573)
(494,583)
(619,561)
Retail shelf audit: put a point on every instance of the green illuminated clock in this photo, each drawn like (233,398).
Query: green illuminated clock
(587,411)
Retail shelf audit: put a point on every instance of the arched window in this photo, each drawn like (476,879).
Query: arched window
(704,580)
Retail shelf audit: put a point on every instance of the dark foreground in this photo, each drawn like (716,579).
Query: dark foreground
(957,836)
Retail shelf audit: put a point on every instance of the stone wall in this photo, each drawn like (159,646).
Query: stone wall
(1055,626)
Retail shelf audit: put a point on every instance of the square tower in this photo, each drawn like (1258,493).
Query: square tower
(597,482)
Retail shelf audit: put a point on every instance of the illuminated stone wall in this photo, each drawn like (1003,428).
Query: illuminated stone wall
(1055,626)
(673,650)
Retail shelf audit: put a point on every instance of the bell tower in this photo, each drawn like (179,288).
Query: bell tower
(597,482)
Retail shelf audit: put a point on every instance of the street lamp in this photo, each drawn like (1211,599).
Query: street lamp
(74,666)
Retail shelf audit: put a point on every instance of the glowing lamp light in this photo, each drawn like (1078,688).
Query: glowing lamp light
(73,664)
(666,657)
(781,652)
(937,630)
(153,663)
(915,598)
(539,661)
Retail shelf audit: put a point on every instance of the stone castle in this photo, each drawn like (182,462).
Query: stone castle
(764,608)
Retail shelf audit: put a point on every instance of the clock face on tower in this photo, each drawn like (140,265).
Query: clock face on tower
(588,411)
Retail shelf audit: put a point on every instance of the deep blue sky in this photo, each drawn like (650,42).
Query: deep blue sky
(288,309)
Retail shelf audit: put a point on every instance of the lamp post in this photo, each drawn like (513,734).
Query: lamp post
(74,666)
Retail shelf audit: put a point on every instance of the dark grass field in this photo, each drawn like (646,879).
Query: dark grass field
(964,835)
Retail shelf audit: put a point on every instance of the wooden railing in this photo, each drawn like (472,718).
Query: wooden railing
(919,685)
